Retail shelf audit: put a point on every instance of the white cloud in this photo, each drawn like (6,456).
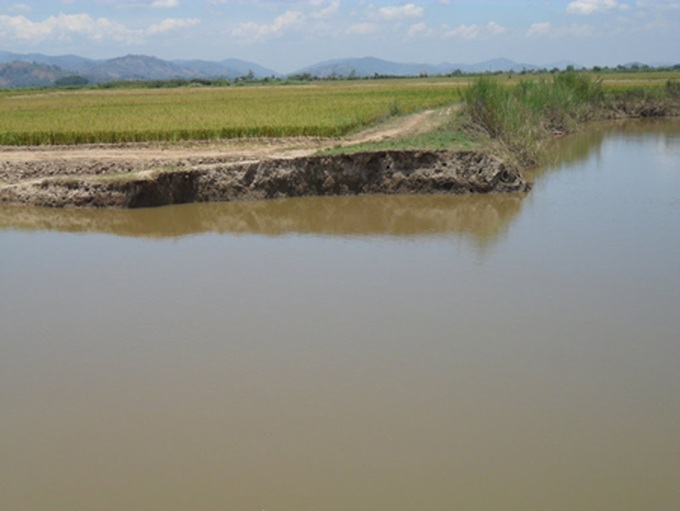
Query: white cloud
(61,27)
(20,27)
(127,4)
(417,29)
(363,29)
(254,32)
(66,26)
(464,31)
(538,29)
(495,29)
(474,31)
(170,24)
(586,7)
(326,12)
(165,4)
(407,11)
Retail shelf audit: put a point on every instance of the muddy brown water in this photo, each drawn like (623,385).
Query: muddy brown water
(515,352)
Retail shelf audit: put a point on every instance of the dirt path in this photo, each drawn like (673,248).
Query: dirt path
(22,163)
(398,127)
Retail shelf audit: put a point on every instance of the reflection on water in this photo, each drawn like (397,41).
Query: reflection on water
(580,147)
(196,359)
(484,217)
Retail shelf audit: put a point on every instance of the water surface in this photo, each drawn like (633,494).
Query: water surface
(473,353)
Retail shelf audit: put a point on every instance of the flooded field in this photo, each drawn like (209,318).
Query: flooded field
(482,353)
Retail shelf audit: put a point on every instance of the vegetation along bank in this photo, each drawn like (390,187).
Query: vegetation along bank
(522,119)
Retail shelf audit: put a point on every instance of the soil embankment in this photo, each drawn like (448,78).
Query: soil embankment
(155,174)
(82,183)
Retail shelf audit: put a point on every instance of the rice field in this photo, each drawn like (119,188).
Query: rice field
(131,115)
(322,109)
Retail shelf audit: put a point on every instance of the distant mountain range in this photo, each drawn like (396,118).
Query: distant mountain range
(35,69)
(370,66)
(24,74)
(15,69)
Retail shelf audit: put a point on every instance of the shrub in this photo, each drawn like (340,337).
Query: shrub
(523,116)
(71,81)
(673,89)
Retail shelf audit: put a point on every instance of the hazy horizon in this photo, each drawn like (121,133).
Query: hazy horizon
(288,35)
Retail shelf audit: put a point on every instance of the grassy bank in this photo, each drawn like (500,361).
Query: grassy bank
(521,118)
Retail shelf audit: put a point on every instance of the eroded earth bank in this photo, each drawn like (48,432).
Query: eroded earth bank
(201,176)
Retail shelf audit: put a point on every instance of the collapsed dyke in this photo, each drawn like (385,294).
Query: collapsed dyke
(380,172)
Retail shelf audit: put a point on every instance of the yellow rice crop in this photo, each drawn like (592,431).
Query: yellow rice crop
(325,109)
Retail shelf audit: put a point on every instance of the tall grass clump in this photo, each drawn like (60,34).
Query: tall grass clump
(523,117)
(673,89)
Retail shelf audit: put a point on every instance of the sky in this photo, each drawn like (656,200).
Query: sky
(287,35)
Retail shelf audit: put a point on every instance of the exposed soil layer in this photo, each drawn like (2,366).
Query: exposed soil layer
(210,179)
(641,108)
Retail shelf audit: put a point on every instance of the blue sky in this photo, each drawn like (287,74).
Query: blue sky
(286,35)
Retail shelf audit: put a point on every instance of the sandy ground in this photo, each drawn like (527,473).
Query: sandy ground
(25,163)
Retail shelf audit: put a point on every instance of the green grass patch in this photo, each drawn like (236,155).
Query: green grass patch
(435,141)
(448,136)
